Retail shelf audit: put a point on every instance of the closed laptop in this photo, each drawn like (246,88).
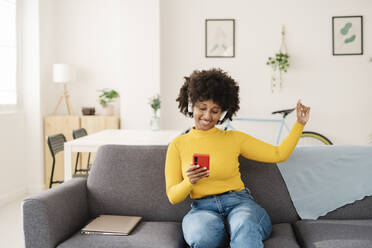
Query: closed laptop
(112,225)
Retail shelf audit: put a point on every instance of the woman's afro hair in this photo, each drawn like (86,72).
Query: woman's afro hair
(213,84)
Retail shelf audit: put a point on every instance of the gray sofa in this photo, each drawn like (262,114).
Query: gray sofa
(129,180)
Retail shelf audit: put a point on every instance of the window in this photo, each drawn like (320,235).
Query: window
(8,53)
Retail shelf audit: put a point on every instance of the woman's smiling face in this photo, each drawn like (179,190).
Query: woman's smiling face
(206,114)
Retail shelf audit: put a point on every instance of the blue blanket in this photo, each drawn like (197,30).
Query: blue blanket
(323,178)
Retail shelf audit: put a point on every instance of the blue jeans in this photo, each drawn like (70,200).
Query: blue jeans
(232,218)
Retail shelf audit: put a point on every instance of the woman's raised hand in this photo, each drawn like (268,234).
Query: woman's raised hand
(303,113)
(195,173)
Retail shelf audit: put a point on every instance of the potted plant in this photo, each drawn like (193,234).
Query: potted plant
(155,104)
(106,97)
(279,63)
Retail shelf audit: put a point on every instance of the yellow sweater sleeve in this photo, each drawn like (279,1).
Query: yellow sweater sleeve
(177,187)
(258,150)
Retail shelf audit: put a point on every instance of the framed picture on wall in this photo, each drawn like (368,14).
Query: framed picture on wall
(219,38)
(347,35)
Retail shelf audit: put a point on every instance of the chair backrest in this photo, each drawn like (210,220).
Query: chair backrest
(79,133)
(56,143)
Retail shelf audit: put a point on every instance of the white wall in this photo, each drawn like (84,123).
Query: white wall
(33,138)
(140,58)
(21,149)
(111,44)
(338,88)
(49,91)
(12,160)
(84,34)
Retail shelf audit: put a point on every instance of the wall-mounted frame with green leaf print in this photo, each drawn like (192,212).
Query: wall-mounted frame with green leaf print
(347,35)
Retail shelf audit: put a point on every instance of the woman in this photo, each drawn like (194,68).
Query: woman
(223,212)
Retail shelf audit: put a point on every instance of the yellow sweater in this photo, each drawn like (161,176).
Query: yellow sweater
(224,148)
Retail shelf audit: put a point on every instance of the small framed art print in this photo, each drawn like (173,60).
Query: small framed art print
(219,38)
(347,35)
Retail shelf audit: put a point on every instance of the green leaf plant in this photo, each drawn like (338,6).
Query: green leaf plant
(279,61)
(107,96)
(155,103)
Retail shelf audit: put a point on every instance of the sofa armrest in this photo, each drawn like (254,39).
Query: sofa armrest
(54,215)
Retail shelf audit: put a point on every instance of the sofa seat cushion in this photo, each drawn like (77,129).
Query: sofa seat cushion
(334,233)
(282,235)
(145,235)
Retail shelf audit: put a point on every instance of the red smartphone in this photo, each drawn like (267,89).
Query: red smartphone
(201,159)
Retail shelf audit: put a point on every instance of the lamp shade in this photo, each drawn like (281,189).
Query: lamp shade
(61,73)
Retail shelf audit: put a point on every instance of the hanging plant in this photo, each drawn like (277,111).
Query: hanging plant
(279,61)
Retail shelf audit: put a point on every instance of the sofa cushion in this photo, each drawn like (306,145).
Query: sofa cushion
(334,233)
(282,236)
(130,180)
(145,235)
(360,209)
(269,190)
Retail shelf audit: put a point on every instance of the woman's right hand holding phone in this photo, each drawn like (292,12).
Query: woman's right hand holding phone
(195,173)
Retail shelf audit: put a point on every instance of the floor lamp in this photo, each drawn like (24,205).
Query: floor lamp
(62,74)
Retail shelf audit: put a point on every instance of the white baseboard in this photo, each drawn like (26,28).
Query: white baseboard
(12,196)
